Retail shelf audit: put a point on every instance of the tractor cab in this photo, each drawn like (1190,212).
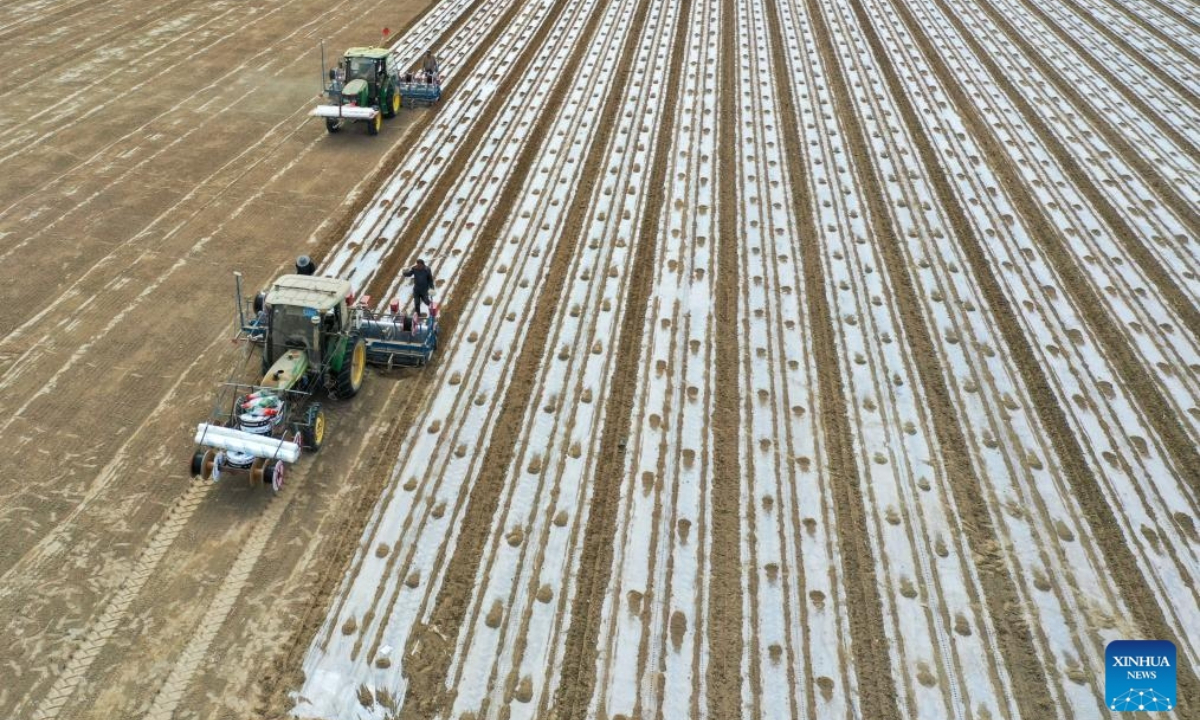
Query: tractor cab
(362,68)
(366,72)
(309,335)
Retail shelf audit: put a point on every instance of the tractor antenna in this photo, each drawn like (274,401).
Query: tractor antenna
(322,65)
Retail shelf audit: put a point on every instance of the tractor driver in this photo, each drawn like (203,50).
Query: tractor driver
(423,282)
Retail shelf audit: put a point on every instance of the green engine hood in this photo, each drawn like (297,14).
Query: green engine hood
(287,370)
(354,87)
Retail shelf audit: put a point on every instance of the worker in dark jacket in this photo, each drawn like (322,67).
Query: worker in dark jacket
(423,282)
(429,65)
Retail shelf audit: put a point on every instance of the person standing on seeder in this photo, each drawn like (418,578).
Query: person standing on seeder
(423,283)
(430,66)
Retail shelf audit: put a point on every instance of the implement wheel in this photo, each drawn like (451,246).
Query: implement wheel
(203,463)
(273,473)
(354,368)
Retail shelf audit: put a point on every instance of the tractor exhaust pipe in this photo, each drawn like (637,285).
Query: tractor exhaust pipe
(305,266)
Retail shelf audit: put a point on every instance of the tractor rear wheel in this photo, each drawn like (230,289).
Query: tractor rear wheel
(332,125)
(354,368)
(391,104)
(313,431)
(374,124)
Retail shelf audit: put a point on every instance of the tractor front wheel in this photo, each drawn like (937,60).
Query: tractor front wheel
(354,368)
(332,125)
(313,430)
(374,124)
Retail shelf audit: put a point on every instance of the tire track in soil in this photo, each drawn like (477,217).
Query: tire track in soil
(74,673)
(1099,514)
(53,543)
(1000,591)
(427,693)
(578,681)
(1125,360)
(1145,62)
(1166,128)
(725,600)
(1188,313)
(235,580)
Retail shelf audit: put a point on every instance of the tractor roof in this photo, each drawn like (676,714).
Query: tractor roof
(319,293)
(367,52)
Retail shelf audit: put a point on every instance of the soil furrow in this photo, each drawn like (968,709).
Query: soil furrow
(285,669)
(1185,210)
(865,608)
(1091,306)
(725,608)
(1123,565)
(578,680)
(427,689)
(1000,592)
(1128,93)
(1128,48)
(1150,27)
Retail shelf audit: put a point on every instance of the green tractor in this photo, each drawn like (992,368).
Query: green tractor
(309,330)
(364,88)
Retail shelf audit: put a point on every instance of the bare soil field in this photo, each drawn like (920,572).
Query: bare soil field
(800,359)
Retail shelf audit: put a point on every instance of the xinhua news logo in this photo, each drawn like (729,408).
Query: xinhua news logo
(1140,675)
